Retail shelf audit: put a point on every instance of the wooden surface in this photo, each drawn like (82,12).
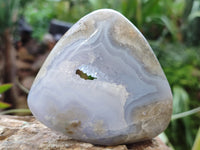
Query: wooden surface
(26,133)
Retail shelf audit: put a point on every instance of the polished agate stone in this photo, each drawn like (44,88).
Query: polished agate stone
(102,84)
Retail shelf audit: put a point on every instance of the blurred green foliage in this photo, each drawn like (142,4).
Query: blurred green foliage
(38,14)
(172,18)
(181,65)
(171,27)
(8,14)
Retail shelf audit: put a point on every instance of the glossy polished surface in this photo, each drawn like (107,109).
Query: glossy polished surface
(102,84)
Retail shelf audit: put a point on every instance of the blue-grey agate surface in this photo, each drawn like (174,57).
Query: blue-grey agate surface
(129,98)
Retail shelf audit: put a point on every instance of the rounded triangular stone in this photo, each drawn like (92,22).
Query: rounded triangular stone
(102,84)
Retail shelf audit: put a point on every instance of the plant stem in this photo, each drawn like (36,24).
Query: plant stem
(139,14)
(24,89)
(185,114)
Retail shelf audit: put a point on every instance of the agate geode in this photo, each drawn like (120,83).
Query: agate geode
(102,84)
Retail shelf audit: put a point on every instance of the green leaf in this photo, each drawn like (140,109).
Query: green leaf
(170,25)
(4,105)
(15,111)
(196,145)
(180,100)
(5,87)
(194,15)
